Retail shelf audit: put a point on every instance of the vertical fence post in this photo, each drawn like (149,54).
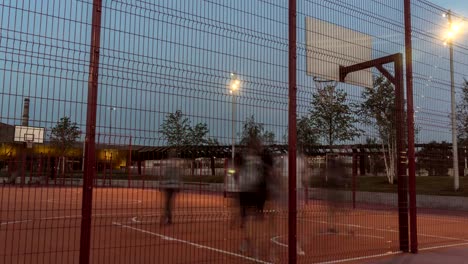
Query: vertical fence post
(90,141)
(355,167)
(225,177)
(410,124)
(23,167)
(401,155)
(292,140)
(110,170)
(31,167)
(129,162)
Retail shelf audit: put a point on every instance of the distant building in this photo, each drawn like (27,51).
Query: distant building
(7,133)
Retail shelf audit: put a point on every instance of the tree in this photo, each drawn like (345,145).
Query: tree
(252,129)
(436,158)
(64,135)
(378,109)
(462,115)
(177,130)
(306,134)
(331,117)
(198,135)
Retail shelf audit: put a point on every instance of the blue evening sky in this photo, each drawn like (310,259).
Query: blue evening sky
(168,55)
(457,6)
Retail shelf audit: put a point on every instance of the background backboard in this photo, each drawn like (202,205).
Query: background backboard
(328,46)
(26,133)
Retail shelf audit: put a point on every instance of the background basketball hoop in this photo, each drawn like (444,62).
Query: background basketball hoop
(29,135)
(29,139)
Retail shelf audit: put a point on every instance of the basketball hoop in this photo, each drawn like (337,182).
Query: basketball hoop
(29,139)
(321,83)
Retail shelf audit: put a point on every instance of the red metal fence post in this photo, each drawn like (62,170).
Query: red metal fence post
(292,139)
(129,165)
(23,169)
(90,141)
(410,125)
(401,155)
(355,160)
(110,170)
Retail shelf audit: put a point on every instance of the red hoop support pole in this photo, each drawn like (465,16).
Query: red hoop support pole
(292,131)
(90,141)
(410,118)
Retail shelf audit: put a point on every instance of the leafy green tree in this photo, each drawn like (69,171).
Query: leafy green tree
(177,130)
(252,129)
(435,158)
(306,134)
(331,117)
(462,115)
(378,109)
(64,135)
(198,135)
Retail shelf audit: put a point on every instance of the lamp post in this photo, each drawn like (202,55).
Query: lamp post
(111,109)
(453,30)
(233,89)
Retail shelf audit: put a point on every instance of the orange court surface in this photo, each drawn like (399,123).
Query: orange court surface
(42,225)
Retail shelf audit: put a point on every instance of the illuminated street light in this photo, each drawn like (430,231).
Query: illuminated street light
(454,29)
(234,87)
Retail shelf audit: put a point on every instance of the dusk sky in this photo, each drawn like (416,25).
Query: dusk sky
(457,6)
(156,59)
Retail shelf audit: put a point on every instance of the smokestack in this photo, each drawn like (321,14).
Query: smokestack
(25,119)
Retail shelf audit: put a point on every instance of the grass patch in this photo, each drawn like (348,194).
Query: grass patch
(433,185)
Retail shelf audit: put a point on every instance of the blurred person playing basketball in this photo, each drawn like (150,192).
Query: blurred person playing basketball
(171,185)
(252,195)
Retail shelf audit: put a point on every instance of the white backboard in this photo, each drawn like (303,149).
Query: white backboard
(328,46)
(24,133)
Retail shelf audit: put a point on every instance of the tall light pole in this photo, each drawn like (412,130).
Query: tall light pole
(233,90)
(453,30)
(111,109)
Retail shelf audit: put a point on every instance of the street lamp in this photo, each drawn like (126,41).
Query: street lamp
(454,29)
(111,109)
(234,86)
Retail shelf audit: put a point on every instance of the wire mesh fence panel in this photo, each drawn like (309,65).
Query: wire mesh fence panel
(438,76)
(189,149)
(44,52)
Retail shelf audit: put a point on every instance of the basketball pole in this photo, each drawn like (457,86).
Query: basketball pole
(401,159)
(90,140)
(292,138)
(410,125)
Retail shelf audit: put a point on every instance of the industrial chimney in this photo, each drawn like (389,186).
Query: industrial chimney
(25,119)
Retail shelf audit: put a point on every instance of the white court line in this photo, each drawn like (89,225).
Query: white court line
(444,246)
(275,239)
(63,217)
(190,243)
(15,222)
(384,230)
(361,258)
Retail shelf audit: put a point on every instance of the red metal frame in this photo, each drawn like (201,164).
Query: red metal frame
(410,125)
(292,131)
(397,81)
(90,143)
